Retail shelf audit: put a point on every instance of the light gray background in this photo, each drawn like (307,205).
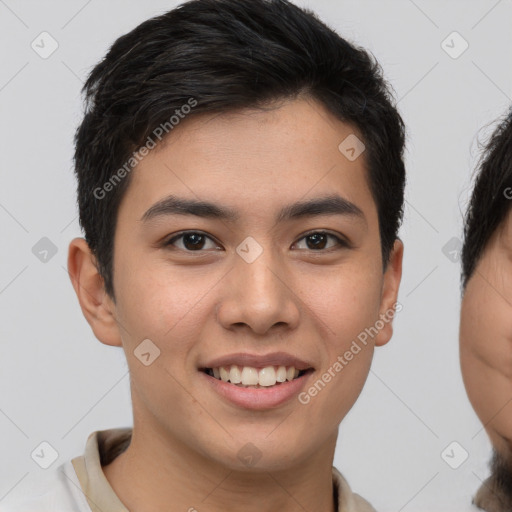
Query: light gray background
(58,383)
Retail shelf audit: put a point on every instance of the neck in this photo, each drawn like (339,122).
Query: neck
(167,472)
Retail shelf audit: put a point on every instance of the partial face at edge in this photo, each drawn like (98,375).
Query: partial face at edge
(197,299)
(486,338)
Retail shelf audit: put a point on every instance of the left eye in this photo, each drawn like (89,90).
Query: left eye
(195,241)
(318,240)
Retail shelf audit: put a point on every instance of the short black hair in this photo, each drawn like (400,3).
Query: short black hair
(209,56)
(491,199)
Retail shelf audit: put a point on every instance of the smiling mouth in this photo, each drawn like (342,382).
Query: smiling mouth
(250,377)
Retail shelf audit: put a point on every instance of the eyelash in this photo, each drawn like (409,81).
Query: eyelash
(340,241)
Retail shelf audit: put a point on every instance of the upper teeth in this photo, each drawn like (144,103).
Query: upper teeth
(249,376)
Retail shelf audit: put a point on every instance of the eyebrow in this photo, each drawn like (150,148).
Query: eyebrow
(329,205)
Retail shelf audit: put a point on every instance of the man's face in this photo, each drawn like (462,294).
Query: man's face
(486,338)
(250,285)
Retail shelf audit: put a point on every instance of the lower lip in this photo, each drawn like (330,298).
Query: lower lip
(257,398)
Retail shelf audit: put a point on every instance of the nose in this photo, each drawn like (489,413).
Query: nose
(259,296)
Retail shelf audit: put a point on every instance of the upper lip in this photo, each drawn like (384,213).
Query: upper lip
(258,361)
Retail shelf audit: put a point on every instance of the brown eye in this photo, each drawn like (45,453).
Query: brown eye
(191,241)
(318,241)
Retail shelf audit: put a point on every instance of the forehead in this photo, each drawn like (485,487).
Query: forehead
(256,160)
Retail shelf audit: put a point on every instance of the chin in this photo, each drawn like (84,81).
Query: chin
(495,494)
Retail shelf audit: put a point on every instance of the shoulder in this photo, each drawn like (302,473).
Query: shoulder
(60,490)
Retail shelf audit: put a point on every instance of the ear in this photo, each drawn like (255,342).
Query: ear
(390,286)
(97,306)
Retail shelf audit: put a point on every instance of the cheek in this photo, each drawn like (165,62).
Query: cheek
(158,304)
(164,307)
(486,330)
(486,357)
(349,302)
(349,307)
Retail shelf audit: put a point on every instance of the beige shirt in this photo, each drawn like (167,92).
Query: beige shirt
(103,446)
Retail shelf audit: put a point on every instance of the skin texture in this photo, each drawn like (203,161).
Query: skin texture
(486,355)
(195,307)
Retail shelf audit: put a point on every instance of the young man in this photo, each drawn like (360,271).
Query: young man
(240,186)
(486,313)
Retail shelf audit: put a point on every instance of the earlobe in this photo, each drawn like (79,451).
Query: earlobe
(97,307)
(389,299)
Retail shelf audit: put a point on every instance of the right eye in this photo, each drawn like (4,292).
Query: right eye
(190,241)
